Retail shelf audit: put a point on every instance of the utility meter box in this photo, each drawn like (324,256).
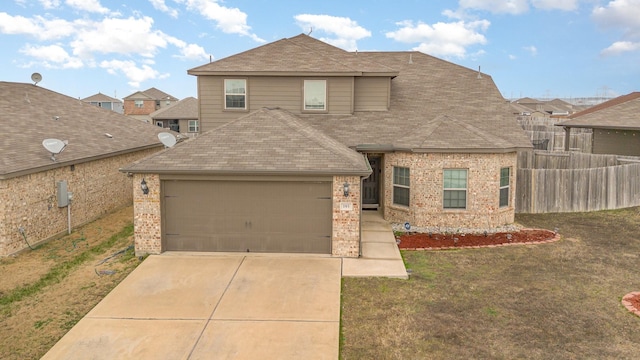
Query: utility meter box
(63,194)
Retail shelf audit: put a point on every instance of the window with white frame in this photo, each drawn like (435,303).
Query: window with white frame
(235,94)
(138,103)
(401,186)
(193,126)
(315,95)
(504,186)
(455,189)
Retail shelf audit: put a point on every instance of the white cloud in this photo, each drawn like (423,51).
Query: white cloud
(442,39)
(229,20)
(565,5)
(531,50)
(87,5)
(193,52)
(623,15)
(121,36)
(512,57)
(162,6)
(50,4)
(497,6)
(344,31)
(52,56)
(135,74)
(38,27)
(619,13)
(620,47)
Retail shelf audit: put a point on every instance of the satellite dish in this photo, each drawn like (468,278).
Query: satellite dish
(167,139)
(36,78)
(54,146)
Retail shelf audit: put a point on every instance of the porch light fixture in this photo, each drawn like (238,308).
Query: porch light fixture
(345,188)
(144,187)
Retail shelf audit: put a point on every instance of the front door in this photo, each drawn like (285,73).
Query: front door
(371,185)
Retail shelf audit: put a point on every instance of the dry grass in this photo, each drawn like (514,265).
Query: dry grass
(548,301)
(44,292)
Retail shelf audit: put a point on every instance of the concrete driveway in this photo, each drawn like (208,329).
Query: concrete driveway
(189,306)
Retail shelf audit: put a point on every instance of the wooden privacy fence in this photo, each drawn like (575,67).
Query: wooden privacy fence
(546,136)
(573,182)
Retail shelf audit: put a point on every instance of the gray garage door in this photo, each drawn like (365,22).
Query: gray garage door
(254,216)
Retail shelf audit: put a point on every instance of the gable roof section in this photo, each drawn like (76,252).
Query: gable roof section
(150,94)
(298,55)
(100,97)
(186,108)
(267,141)
(426,92)
(622,112)
(32,111)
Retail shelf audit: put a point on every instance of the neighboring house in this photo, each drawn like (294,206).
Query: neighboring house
(287,127)
(180,117)
(537,108)
(105,102)
(615,124)
(33,182)
(141,104)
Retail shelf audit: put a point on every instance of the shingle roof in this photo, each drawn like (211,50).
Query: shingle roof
(300,54)
(30,113)
(427,91)
(151,93)
(267,141)
(622,112)
(100,97)
(186,108)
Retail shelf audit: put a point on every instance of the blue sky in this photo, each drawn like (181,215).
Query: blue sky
(535,48)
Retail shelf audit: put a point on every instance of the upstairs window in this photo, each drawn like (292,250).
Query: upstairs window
(194,126)
(504,187)
(455,189)
(235,94)
(401,186)
(315,95)
(138,103)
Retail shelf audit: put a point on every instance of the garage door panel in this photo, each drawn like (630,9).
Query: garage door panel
(247,215)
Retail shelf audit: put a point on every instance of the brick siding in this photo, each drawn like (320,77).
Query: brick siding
(346,222)
(30,201)
(427,189)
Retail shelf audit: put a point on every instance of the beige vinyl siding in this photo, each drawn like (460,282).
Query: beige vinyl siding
(618,142)
(372,93)
(283,92)
(268,91)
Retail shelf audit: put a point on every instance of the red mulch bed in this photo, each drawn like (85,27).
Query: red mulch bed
(412,241)
(632,302)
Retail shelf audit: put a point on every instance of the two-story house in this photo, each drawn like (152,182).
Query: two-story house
(180,117)
(299,136)
(141,104)
(106,102)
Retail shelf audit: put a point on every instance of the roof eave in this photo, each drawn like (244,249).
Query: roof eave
(249,172)
(59,164)
(273,73)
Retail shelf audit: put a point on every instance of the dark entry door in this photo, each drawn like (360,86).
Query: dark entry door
(371,185)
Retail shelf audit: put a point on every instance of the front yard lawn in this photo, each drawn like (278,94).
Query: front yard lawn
(549,301)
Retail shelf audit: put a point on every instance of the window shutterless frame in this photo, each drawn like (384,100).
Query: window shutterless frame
(315,95)
(193,126)
(235,94)
(401,186)
(504,186)
(455,189)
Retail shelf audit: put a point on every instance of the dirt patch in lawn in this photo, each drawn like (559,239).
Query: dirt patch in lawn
(45,291)
(428,241)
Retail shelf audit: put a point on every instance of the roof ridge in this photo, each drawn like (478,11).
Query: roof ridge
(607,104)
